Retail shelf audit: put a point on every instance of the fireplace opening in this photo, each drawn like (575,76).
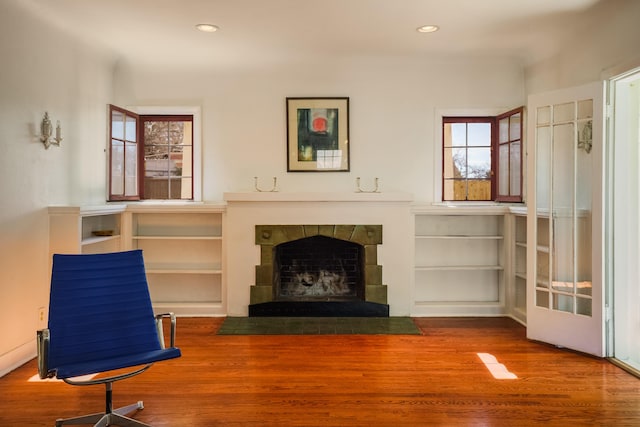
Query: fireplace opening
(318,268)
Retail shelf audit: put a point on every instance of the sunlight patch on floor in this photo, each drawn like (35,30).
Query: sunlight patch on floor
(36,379)
(498,370)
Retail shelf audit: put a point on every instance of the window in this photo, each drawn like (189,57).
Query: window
(153,156)
(509,143)
(168,157)
(123,155)
(482,158)
(467,158)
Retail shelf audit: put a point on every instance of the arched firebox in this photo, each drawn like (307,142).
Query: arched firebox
(318,270)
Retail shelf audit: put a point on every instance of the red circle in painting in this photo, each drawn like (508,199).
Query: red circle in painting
(319,124)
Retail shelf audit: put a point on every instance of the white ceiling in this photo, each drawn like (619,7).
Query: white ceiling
(261,32)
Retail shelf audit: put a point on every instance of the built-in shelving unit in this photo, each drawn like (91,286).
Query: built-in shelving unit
(459,261)
(183,252)
(467,261)
(519,288)
(182,246)
(86,229)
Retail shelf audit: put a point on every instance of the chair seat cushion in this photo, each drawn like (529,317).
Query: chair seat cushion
(104,365)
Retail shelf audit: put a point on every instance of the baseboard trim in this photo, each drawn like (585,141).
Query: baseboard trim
(17,357)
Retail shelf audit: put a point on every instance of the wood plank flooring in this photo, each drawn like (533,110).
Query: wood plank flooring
(433,379)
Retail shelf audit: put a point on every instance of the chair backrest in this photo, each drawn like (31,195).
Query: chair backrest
(99,308)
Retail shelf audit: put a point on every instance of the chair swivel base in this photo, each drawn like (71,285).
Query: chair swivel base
(115,418)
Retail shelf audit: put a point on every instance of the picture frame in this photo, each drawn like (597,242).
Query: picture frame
(318,134)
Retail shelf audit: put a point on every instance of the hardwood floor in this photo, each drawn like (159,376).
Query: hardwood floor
(433,379)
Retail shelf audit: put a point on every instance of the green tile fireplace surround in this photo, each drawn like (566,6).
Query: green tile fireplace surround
(367,236)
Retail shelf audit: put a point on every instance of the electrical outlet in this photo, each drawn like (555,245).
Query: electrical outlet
(42,318)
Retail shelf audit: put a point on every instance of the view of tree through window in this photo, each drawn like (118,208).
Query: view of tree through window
(168,157)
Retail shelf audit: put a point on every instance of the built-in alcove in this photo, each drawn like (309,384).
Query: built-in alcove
(318,270)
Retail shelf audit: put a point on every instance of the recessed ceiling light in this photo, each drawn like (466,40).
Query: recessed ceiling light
(207,28)
(428,29)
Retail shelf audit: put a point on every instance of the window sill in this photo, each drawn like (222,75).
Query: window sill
(462,208)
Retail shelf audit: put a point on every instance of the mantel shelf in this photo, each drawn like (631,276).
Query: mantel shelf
(268,196)
(459,267)
(183,271)
(169,237)
(459,237)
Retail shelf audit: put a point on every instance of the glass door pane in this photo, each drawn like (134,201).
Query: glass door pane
(563,199)
(543,198)
(584,185)
(563,217)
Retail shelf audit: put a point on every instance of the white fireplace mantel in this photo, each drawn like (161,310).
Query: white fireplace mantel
(276,196)
(391,210)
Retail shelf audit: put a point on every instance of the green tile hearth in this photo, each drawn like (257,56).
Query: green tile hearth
(318,326)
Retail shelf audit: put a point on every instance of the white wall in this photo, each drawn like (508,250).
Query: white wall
(393,101)
(609,40)
(392,107)
(42,70)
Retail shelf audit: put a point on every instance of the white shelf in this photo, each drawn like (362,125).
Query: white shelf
(460,268)
(459,303)
(457,309)
(71,228)
(98,239)
(176,237)
(190,309)
(542,283)
(182,271)
(459,256)
(456,237)
(183,249)
(84,211)
(517,302)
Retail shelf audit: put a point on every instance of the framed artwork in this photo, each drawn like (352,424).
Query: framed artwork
(317,134)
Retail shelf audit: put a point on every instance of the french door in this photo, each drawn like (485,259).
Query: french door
(565,220)
(624,208)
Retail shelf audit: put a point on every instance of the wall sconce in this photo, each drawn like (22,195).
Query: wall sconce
(585,138)
(46,129)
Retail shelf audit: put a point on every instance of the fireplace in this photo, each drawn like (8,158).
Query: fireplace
(318,270)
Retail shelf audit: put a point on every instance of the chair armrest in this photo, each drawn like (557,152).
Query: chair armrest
(160,328)
(42,339)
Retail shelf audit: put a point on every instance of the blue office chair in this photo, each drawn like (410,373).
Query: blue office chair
(100,320)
